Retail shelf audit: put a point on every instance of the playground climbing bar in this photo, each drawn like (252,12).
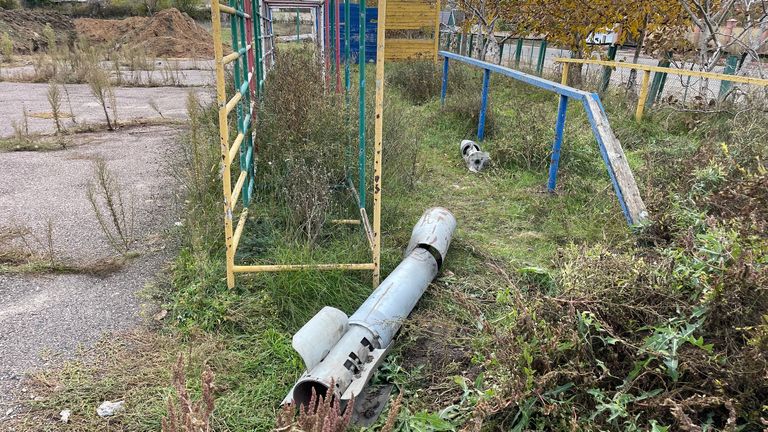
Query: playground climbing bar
(616,163)
(252,50)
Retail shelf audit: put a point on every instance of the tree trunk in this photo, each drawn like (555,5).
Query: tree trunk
(574,70)
(636,58)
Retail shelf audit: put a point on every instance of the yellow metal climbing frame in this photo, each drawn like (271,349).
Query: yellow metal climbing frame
(253,53)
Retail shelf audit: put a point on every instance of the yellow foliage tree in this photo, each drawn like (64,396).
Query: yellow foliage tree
(568,23)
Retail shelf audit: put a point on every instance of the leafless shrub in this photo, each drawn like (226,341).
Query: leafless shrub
(44,69)
(170,73)
(101,88)
(54,100)
(20,246)
(21,130)
(116,71)
(308,198)
(50,38)
(322,414)
(69,104)
(189,416)
(13,245)
(115,219)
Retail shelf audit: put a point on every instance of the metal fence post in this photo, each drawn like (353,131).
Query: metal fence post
(542,56)
(530,57)
(657,84)
(564,79)
(643,95)
(518,52)
(444,89)
(606,78)
(730,68)
(559,128)
(483,105)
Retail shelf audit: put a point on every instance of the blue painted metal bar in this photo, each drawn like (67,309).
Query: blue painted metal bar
(483,105)
(520,76)
(444,89)
(559,129)
(595,116)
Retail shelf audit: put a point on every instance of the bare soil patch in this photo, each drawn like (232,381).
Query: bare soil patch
(25,27)
(168,33)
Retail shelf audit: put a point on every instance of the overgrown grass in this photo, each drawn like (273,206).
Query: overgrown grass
(550,313)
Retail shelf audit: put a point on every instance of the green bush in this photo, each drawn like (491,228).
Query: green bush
(419,81)
(9,4)
(463,106)
(301,137)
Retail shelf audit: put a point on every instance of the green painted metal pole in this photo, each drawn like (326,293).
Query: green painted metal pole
(240,68)
(730,68)
(661,86)
(501,50)
(518,52)
(297,25)
(361,120)
(606,78)
(656,84)
(530,58)
(542,56)
(257,49)
(471,43)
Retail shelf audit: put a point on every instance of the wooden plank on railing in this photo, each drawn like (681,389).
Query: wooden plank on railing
(620,172)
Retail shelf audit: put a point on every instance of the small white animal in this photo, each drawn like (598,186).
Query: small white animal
(476,160)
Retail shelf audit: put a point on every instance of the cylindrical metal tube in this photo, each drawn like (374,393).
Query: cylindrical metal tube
(384,311)
(433,232)
(373,326)
(339,367)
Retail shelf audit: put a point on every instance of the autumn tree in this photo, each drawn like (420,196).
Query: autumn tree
(569,23)
(745,34)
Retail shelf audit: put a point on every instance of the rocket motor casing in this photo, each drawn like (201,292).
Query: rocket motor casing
(353,358)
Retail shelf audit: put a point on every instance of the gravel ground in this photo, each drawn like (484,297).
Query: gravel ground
(45,317)
(132,103)
(181,72)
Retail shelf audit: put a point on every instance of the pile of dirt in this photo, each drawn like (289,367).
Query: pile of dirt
(25,27)
(168,33)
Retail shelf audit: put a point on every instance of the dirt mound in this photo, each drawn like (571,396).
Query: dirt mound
(168,33)
(25,27)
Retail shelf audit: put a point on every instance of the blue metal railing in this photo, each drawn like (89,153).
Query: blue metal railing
(615,161)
